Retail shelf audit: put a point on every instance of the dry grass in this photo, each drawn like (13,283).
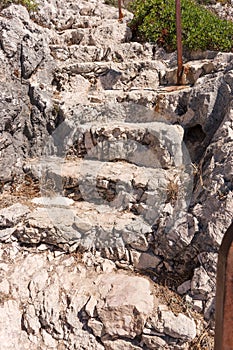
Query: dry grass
(177,304)
(21,190)
(172,191)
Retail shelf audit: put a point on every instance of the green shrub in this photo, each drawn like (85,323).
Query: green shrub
(29,4)
(154,20)
(212,2)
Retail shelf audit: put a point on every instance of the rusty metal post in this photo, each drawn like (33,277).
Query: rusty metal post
(120,10)
(224,294)
(179,43)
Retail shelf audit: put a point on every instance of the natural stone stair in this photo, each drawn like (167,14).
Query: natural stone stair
(84,225)
(114,176)
(100,77)
(119,185)
(122,178)
(152,144)
(98,58)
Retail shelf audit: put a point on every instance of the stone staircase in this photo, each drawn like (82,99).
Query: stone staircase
(98,120)
(112,108)
(116,154)
(107,107)
(96,61)
(121,178)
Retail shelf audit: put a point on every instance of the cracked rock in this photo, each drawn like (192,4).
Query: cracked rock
(127,304)
(180,326)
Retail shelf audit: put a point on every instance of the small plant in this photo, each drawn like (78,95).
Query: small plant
(29,4)
(111,2)
(172,190)
(154,20)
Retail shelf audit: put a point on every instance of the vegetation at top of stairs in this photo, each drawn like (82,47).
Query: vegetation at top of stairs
(154,20)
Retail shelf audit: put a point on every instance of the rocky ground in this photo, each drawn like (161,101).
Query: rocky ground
(116,184)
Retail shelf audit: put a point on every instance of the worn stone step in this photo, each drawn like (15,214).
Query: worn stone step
(125,71)
(68,48)
(139,81)
(109,205)
(133,67)
(119,185)
(150,144)
(83,224)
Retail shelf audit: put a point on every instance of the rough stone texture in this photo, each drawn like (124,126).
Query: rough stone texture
(174,326)
(124,310)
(184,287)
(43,305)
(166,324)
(120,344)
(154,342)
(201,283)
(9,218)
(143,261)
(12,215)
(74,85)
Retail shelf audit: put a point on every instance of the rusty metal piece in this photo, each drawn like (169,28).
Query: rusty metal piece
(224,294)
(179,43)
(172,88)
(120,16)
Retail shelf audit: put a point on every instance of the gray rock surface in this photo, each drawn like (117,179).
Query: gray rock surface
(48,296)
(174,326)
(95,121)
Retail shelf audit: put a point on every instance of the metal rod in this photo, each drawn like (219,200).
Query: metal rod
(179,43)
(120,10)
(224,294)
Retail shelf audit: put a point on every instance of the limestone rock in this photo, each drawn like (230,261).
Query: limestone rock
(90,306)
(49,225)
(10,330)
(112,33)
(120,344)
(127,304)
(154,342)
(96,327)
(143,261)
(4,287)
(6,233)
(10,216)
(209,308)
(184,287)
(180,326)
(201,283)
(192,71)
(53,201)
(198,305)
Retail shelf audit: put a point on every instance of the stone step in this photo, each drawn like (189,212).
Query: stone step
(67,48)
(152,144)
(139,81)
(88,203)
(120,184)
(84,225)
(192,69)
(99,68)
(132,48)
